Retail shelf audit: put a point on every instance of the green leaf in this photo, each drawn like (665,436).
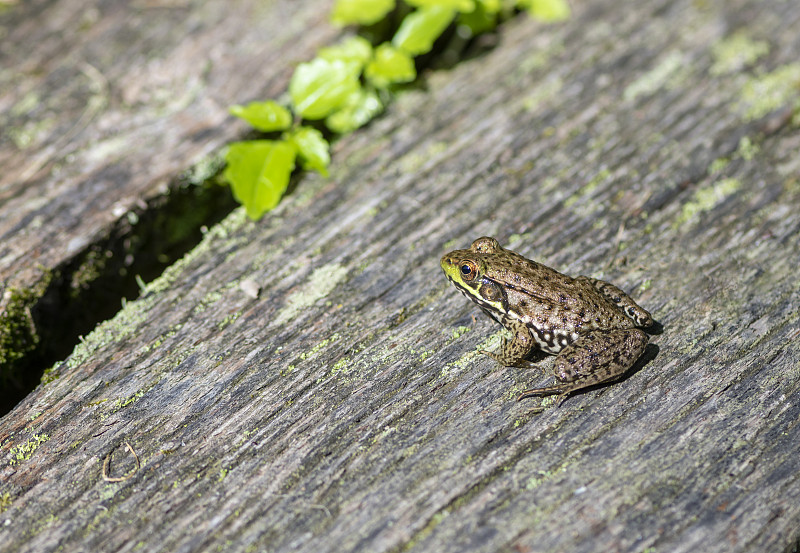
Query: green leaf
(352,49)
(458,5)
(321,86)
(312,149)
(258,172)
(546,10)
(360,12)
(421,28)
(480,20)
(359,110)
(390,65)
(265,116)
(490,6)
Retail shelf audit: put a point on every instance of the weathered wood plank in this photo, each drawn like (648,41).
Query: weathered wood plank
(102,106)
(346,409)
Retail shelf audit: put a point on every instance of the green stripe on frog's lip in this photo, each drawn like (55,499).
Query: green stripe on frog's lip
(473,295)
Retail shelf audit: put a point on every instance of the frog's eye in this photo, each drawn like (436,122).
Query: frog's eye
(469,270)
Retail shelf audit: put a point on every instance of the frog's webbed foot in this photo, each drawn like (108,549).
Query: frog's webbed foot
(596,357)
(622,300)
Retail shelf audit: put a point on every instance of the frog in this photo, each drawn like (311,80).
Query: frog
(594,329)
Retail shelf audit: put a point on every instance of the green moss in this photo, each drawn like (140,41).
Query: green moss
(747,150)
(18,335)
(222,231)
(228,320)
(735,52)
(91,268)
(538,59)
(543,93)
(490,343)
(515,239)
(534,481)
(209,299)
(27,103)
(706,198)
(124,323)
(321,283)
(414,160)
(765,93)
(669,72)
(5,501)
(205,170)
(287,371)
(50,374)
(718,165)
(155,344)
(342,363)
(24,451)
(120,403)
(319,346)
(131,317)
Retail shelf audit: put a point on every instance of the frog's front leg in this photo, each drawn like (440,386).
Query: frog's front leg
(512,353)
(597,356)
(639,315)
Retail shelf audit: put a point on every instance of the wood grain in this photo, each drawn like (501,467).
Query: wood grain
(346,408)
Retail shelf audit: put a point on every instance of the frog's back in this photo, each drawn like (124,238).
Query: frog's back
(554,302)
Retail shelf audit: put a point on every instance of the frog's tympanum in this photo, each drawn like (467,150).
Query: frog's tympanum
(589,324)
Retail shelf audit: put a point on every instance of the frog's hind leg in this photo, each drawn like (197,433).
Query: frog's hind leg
(596,357)
(622,300)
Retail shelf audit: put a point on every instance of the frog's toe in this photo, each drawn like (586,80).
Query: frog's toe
(539,392)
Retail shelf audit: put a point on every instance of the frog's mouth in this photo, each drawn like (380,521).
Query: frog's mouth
(487,307)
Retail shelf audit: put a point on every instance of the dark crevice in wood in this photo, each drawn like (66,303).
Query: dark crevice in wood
(92,286)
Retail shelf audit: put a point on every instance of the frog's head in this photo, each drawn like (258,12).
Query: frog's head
(469,270)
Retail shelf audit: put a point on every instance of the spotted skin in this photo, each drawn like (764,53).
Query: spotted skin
(589,324)
(622,300)
(596,357)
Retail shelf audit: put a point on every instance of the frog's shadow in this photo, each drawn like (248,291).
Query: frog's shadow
(656,328)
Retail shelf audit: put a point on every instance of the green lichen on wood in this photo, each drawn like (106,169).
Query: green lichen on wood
(736,52)
(669,73)
(320,283)
(5,501)
(706,198)
(768,92)
(24,451)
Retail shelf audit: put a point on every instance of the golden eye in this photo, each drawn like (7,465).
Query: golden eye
(469,270)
